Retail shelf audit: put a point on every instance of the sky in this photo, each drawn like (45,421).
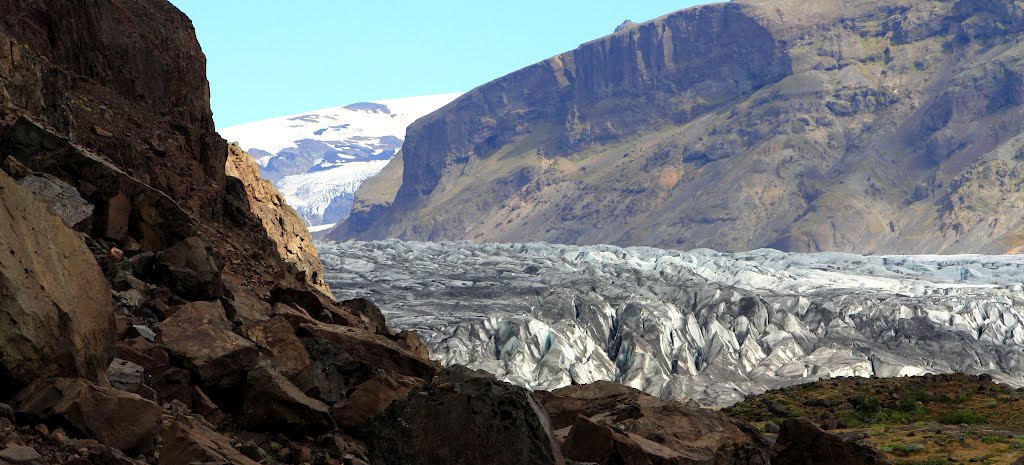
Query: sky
(270,58)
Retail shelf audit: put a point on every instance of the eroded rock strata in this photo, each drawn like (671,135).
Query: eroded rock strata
(888,126)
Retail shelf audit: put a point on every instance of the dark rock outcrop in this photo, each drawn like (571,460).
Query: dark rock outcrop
(608,423)
(115,418)
(272,403)
(484,421)
(801,442)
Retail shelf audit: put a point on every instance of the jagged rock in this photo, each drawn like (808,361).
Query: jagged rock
(124,204)
(369,313)
(126,376)
(275,337)
(143,332)
(245,306)
(332,372)
(151,87)
(191,269)
(187,441)
(611,423)
(6,412)
(116,418)
(375,350)
(200,337)
(20,455)
(356,313)
(507,425)
(370,398)
(801,442)
(202,405)
(52,294)
(272,403)
(63,200)
(282,225)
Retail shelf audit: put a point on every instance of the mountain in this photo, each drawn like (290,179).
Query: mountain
(318,159)
(888,126)
(700,325)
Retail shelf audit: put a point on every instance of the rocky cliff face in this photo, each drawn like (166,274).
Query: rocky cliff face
(875,127)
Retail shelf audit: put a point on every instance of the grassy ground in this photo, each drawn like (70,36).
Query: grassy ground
(930,420)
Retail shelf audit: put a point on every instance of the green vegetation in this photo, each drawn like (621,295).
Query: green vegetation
(915,421)
(962,417)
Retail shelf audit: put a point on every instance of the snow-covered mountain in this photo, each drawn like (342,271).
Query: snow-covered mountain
(318,159)
(704,325)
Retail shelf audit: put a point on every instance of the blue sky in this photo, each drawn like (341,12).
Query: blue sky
(268,58)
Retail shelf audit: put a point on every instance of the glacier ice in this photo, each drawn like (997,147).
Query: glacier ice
(701,325)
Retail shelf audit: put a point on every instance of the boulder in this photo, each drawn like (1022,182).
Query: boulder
(375,350)
(118,419)
(801,442)
(188,441)
(20,455)
(370,398)
(276,338)
(54,299)
(332,373)
(63,200)
(272,403)
(464,418)
(191,268)
(126,376)
(199,336)
(612,423)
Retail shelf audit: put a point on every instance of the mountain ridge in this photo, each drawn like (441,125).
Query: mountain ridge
(847,126)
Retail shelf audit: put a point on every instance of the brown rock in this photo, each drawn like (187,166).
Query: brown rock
(276,338)
(801,442)
(272,403)
(466,419)
(171,384)
(119,211)
(283,226)
(375,350)
(52,294)
(612,423)
(126,376)
(244,306)
(200,337)
(20,455)
(125,206)
(191,268)
(368,313)
(187,441)
(116,418)
(202,405)
(102,132)
(371,398)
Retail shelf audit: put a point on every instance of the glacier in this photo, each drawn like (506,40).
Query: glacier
(318,159)
(701,325)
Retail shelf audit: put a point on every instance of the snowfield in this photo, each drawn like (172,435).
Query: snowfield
(318,159)
(702,325)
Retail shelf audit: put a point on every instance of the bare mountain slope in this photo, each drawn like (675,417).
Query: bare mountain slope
(888,126)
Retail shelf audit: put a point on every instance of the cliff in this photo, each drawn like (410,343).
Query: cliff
(876,127)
